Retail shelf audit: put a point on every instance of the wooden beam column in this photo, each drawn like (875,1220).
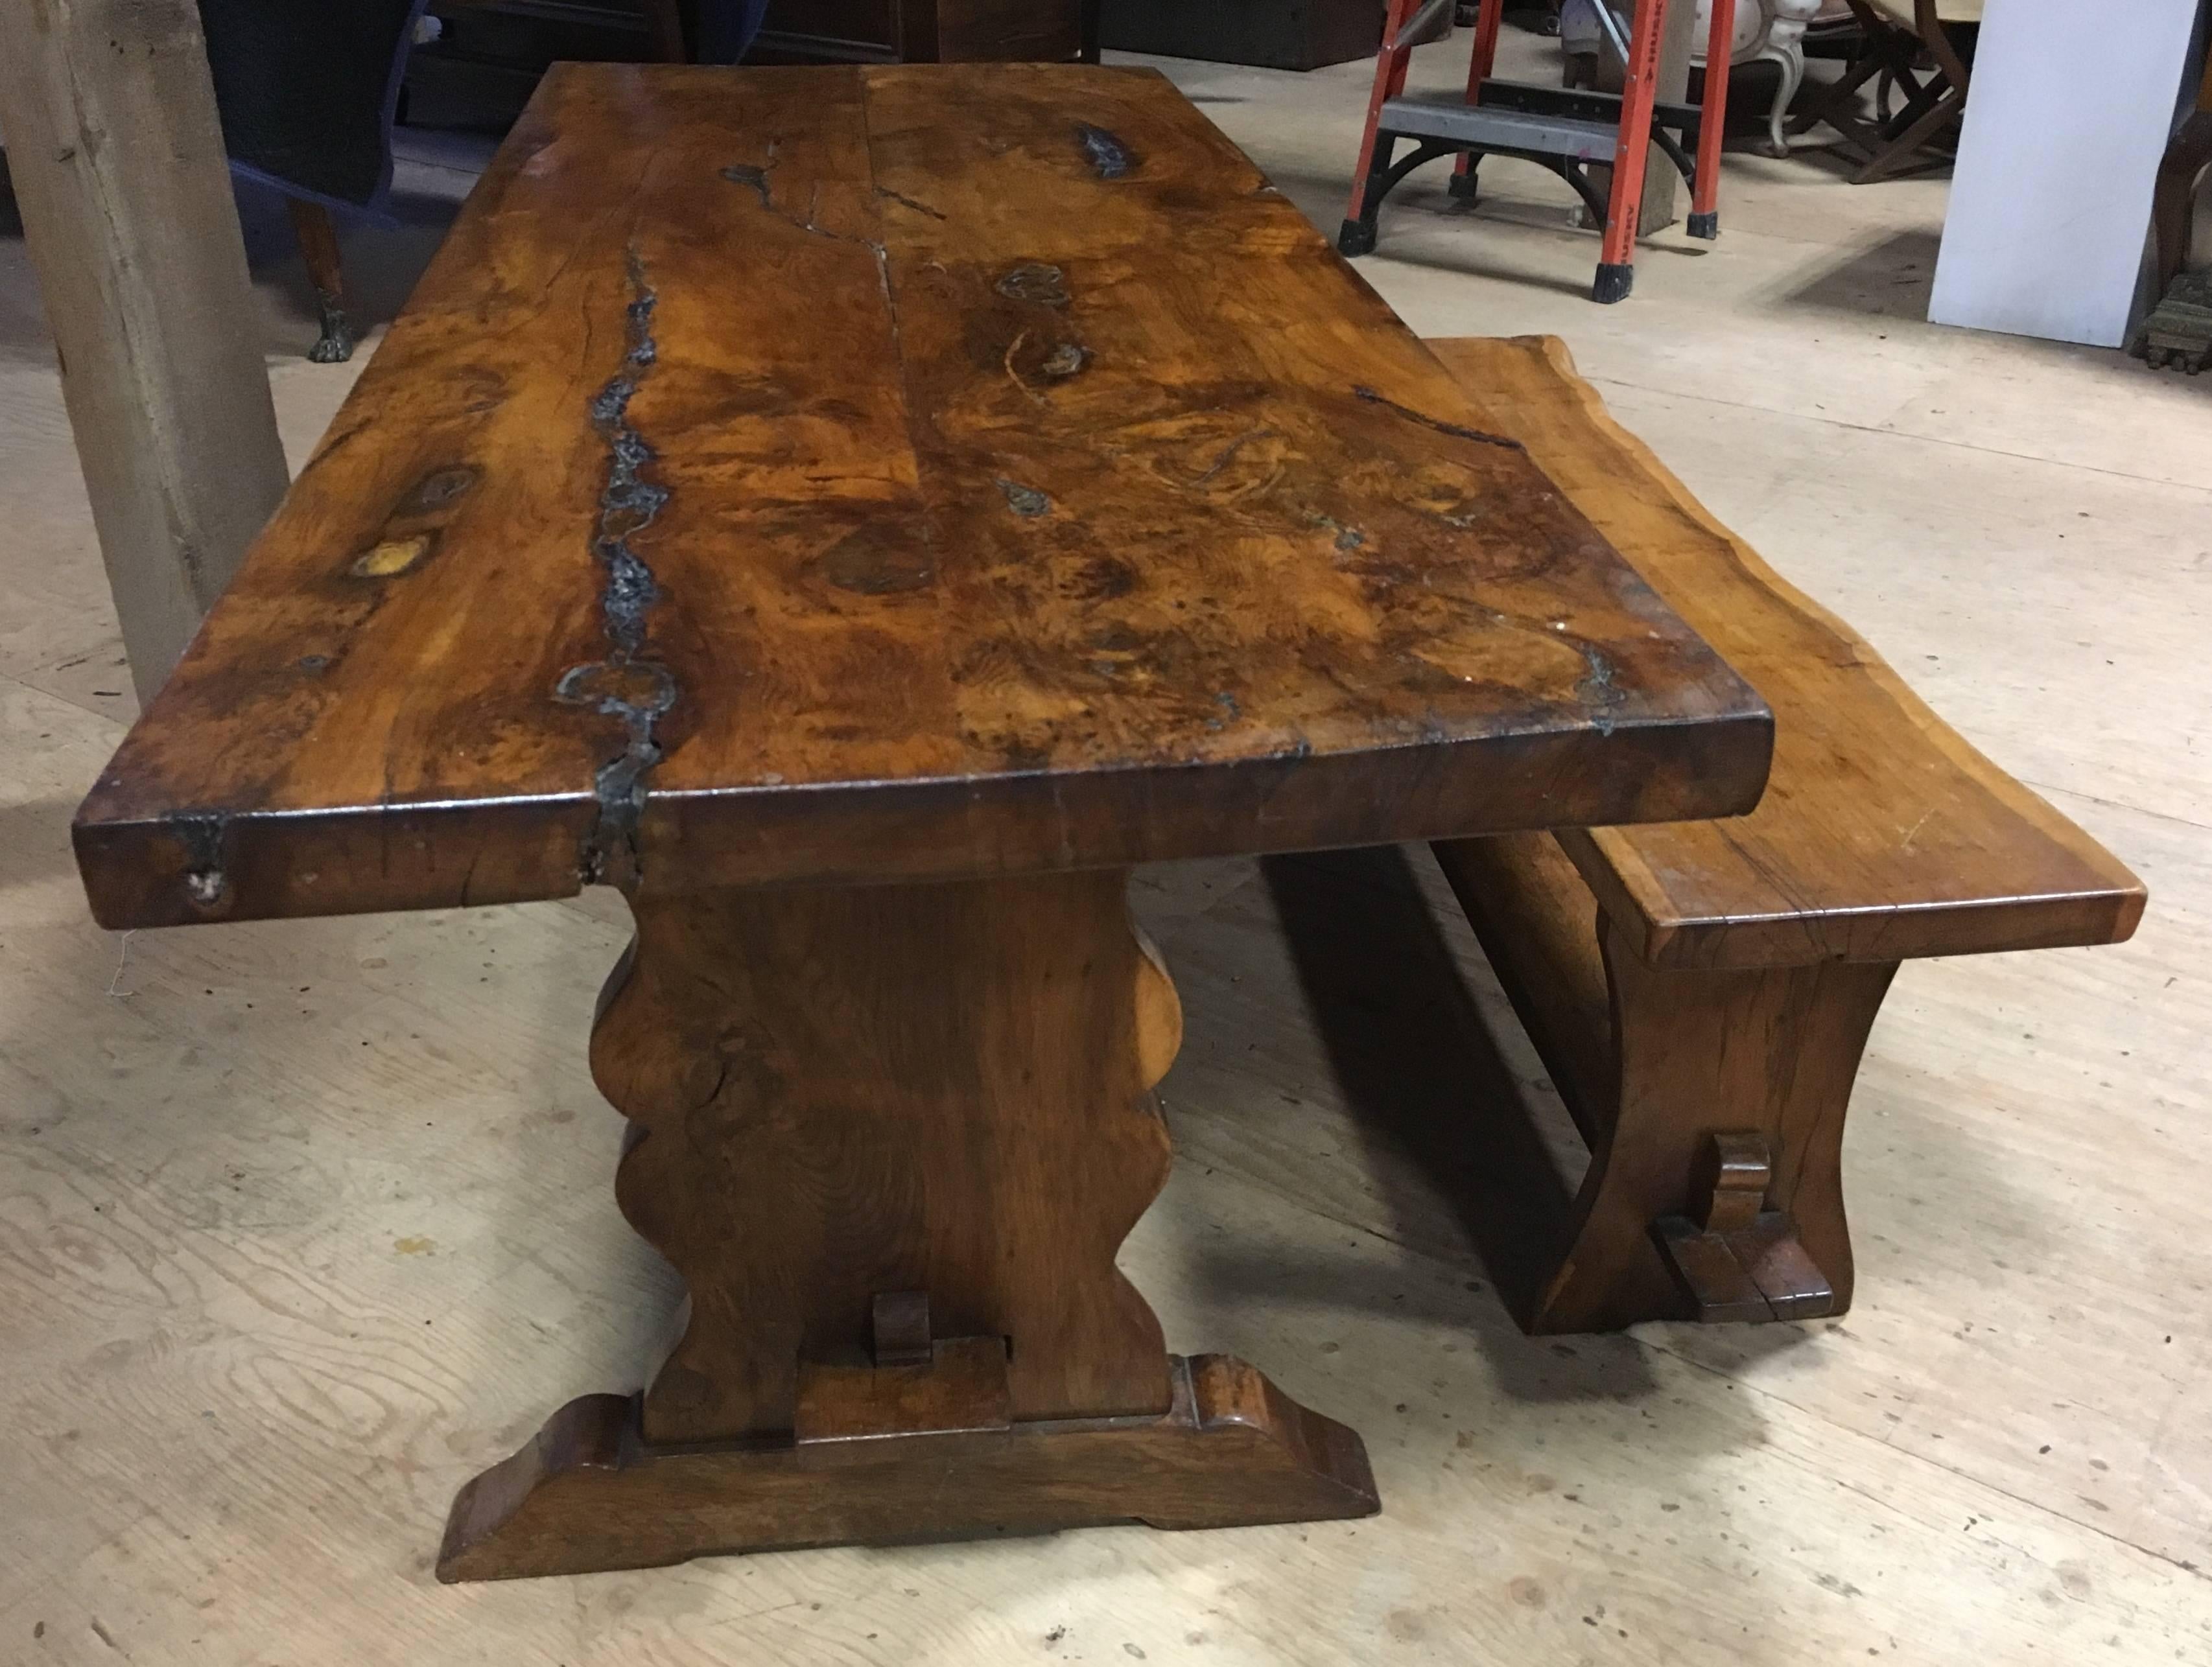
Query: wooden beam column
(118,164)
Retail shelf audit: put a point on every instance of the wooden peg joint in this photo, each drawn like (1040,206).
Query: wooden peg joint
(902,1328)
(917,1385)
(1730,1258)
(1733,1174)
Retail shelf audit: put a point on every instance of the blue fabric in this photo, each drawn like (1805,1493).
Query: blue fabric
(727,29)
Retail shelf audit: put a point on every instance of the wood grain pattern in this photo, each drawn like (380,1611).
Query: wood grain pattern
(897,473)
(116,160)
(1885,835)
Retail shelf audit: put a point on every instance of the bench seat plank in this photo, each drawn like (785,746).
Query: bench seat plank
(1883,835)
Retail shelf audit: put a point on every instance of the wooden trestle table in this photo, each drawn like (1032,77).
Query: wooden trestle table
(860,513)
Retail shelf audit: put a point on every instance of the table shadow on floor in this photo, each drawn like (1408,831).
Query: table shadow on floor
(1446,1128)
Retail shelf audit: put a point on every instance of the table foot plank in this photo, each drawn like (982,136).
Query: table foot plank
(588,1493)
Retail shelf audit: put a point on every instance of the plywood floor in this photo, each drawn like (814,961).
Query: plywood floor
(301,1225)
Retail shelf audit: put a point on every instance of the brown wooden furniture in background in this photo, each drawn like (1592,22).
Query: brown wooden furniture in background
(2173,200)
(1921,48)
(487,60)
(496,50)
(788,487)
(1701,991)
(928,31)
(1273,34)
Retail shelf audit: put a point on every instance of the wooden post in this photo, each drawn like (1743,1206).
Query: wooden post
(118,164)
(1661,181)
(1659,206)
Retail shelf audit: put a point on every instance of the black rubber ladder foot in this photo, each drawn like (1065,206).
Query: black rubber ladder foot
(1356,238)
(1462,187)
(1706,225)
(1613,281)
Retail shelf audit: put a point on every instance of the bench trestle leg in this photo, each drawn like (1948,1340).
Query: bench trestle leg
(1707,1059)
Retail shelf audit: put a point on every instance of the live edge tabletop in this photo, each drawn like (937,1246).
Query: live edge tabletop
(789,486)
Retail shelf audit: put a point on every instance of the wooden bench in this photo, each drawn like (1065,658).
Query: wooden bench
(1701,991)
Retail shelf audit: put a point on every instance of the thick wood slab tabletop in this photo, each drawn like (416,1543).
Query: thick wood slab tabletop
(1883,834)
(841,474)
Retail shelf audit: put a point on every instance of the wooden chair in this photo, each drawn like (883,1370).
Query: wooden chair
(307,101)
(1909,45)
(1700,992)
(307,107)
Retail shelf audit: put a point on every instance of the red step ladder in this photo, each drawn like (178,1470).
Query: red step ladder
(1564,130)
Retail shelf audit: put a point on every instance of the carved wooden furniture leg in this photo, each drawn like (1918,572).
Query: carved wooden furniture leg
(1712,1099)
(318,247)
(893,1137)
(664,26)
(1764,1056)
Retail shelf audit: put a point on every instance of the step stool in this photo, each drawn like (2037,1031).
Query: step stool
(1564,130)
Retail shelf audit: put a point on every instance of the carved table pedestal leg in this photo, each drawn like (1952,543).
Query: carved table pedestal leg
(893,1137)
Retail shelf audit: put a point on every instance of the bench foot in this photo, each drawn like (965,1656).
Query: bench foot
(1764,1056)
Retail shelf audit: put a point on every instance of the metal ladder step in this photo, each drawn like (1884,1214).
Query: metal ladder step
(1447,118)
(1497,92)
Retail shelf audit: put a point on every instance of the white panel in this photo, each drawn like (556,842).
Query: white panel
(2069,110)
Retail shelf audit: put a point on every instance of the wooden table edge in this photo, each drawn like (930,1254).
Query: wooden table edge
(195,866)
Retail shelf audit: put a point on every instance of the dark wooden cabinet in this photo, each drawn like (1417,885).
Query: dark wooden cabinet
(1276,34)
(492,51)
(922,31)
(486,62)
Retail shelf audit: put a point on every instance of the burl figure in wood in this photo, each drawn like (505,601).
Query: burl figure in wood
(861,513)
